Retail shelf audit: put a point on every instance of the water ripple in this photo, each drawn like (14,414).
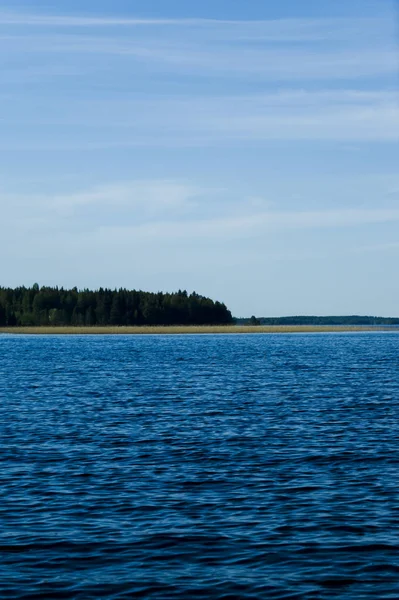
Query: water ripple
(217,467)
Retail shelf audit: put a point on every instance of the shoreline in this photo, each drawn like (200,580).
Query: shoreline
(194,329)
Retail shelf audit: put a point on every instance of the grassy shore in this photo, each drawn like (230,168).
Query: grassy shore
(189,329)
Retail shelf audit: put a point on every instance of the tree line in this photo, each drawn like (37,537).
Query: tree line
(36,306)
(314,320)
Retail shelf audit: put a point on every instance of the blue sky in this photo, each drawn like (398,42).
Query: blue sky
(244,150)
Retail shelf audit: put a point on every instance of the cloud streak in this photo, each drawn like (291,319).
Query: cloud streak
(283,29)
(362,47)
(259,224)
(292,115)
(161,209)
(185,55)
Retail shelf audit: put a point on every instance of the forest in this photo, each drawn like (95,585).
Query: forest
(344,320)
(36,306)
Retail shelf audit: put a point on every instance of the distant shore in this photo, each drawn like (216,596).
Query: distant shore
(193,329)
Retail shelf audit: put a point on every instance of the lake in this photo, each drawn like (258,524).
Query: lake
(215,466)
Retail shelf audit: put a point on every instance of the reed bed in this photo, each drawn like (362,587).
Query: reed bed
(178,330)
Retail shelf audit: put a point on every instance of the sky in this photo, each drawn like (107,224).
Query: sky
(243,149)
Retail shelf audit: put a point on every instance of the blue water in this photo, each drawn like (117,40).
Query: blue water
(166,467)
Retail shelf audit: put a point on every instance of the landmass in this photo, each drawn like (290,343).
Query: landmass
(46,310)
(58,307)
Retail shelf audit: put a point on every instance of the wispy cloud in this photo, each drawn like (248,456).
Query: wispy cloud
(339,116)
(277,49)
(387,246)
(140,200)
(258,224)
(283,29)
(179,210)
(43,20)
(145,199)
(189,54)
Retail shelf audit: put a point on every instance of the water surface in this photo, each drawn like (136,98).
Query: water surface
(259,466)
